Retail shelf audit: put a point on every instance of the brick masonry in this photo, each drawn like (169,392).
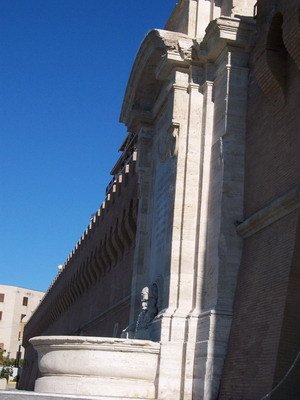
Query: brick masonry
(92,295)
(264,340)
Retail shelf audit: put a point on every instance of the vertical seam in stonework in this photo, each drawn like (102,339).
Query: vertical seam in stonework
(182,206)
(182,383)
(198,214)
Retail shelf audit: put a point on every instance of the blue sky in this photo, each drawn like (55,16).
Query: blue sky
(64,66)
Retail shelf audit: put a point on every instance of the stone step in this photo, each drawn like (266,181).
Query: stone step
(25,395)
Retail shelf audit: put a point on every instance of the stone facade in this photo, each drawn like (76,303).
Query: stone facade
(199,252)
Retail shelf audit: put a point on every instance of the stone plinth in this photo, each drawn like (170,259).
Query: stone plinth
(24,395)
(97,366)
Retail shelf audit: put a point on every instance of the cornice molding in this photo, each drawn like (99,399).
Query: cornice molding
(163,51)
(223,32)
(159,48)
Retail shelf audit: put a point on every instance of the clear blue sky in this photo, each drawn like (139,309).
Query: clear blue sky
(64,66)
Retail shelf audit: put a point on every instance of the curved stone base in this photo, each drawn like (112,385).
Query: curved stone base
(95,386)
(97,366)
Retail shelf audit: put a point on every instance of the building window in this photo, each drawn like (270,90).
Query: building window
(25,301)
(1,297)
(0,315)
(2,346)
(22,316)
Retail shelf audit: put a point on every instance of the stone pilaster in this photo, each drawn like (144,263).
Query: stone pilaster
(208,202)
(191,369)
(142,245)
(220,253)
(187,113)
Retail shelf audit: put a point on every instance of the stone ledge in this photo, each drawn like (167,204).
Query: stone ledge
(274,211)
(25,395)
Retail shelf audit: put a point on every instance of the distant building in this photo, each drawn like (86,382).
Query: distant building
(16,307)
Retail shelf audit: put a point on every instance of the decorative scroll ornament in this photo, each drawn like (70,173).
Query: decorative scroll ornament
(168,142)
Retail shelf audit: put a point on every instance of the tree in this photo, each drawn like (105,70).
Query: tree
(6,372)
(1,357)
(6,361)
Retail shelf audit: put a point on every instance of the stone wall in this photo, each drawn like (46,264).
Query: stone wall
(91,294)
(191,136)
(265,334)
(216,224)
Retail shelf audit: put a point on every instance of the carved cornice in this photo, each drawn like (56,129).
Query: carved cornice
(159,48)
(163,51)
(224,32)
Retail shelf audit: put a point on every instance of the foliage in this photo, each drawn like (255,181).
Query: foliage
(9,362)
(6,372)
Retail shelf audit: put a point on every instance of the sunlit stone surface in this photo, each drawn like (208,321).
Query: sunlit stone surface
(97,366)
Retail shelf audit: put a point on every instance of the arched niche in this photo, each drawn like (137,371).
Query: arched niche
(276,52)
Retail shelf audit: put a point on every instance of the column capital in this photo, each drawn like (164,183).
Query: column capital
(225,33)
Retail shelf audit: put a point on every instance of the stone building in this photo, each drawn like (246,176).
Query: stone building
(202,213)
(16,307)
